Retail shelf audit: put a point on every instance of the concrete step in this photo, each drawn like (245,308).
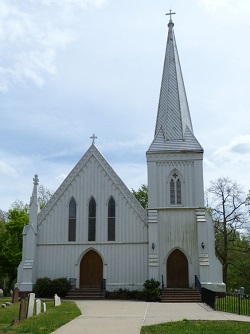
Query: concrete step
(86,293)
(180,296)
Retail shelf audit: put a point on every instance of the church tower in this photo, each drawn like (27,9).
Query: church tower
(181,238)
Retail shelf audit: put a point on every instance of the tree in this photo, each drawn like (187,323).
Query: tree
(141,195)
(11,242)
(239,268)
(11,228)
(231,217)
(44,195)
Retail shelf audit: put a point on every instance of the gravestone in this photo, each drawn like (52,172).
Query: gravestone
(44,307)
(15,297)
(31,303)
(241,291)
(22,310)
(1,292)
(38,306)
(57,300)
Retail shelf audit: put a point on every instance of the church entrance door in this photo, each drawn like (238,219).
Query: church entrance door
(91,270)
(177,270)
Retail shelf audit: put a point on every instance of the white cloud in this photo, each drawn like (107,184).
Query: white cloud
(208,163)
(61,177)
(214,5)
(229,10)
(7,169)
(58,38)
(34,64)
(31,37)
(70,4)
(237,151)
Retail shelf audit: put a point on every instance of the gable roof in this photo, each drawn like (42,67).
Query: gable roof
(93,151)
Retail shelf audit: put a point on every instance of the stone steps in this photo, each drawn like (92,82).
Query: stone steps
(86,293)
(180,296)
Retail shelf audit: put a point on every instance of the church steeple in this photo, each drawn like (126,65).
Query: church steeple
(173,130)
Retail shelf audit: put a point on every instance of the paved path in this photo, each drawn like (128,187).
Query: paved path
(127,317)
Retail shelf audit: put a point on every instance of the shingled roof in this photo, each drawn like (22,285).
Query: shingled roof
(173,130)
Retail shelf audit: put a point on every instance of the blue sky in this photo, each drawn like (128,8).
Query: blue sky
(71,68)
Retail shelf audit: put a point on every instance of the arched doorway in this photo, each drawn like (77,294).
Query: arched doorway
(91,270)
(177,270)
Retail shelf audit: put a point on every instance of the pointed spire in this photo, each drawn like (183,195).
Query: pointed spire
(173,117)
(173,111)
(34,207)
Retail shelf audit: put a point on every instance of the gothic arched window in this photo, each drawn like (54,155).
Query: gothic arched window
(72,220)
(111,219)
(92,220)
(175,189)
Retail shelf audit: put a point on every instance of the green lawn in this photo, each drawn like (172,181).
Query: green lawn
(44,323)
(198,327)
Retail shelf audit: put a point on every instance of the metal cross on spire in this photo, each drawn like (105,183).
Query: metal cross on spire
(170,14)
(93,139)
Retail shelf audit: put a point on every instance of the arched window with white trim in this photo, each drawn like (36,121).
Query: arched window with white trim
(111,219)
(72,220)
(92,220)
(175,189)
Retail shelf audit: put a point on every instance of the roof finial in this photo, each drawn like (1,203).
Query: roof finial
(36,180)
(170,17)
(93,139)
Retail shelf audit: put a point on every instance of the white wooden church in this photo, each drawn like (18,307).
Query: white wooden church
(93,228)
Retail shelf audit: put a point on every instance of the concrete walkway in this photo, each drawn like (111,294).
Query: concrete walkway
(127,317)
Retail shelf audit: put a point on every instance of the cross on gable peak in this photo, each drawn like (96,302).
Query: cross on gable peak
(93,139)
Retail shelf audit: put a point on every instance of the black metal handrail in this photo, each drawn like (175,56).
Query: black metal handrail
(72,282)
(162,283)
(198,284)
(103,284)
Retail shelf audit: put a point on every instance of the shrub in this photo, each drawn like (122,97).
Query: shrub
(46,287)
(151,290)
(125,294)
(61,286)
(43,287)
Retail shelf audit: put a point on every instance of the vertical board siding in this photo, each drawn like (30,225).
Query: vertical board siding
(125,258)
(126,264)
(178,229)
(190,168)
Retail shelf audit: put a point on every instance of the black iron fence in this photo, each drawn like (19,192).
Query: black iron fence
(233,303)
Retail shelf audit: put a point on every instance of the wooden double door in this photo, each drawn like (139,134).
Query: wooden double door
(177,270)
(91,270)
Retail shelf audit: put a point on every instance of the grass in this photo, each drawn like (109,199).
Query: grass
(198,327)
(44,323)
